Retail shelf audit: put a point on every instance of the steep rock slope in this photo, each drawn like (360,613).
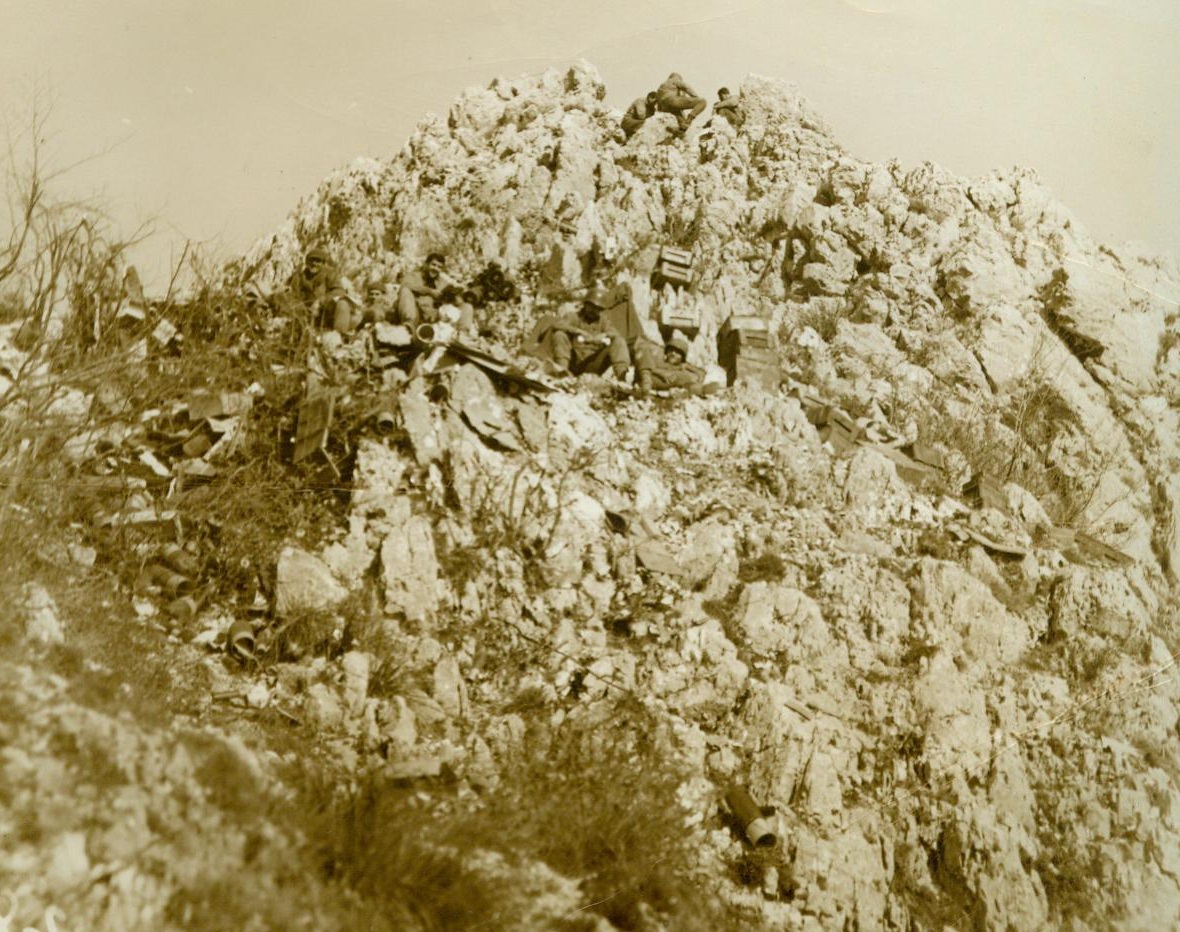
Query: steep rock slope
(993,731)
(921,268)
(964,712)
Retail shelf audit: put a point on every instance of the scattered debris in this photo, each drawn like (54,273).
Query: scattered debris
(314,420)
(753,819)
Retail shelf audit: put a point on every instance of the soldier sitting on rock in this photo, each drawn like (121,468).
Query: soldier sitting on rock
(674,96)
(379,306)
(430,295)
(317,289)
(729,106)
(586,342)
(638,112)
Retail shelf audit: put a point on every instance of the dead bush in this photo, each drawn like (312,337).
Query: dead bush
(613,795)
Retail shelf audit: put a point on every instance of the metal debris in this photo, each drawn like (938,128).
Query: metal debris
(754,819)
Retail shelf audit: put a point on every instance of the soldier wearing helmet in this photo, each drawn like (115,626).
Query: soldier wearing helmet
(317,289)
(586,341)
(674,371)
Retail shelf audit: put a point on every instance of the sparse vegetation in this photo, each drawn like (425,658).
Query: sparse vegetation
(822,316)
(546,743)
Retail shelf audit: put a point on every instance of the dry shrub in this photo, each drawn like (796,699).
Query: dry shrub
(598,802)
(406,865)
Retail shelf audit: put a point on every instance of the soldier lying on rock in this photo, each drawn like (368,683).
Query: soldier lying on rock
(674,371)
(429,295)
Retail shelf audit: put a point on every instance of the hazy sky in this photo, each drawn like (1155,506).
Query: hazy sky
(219,115)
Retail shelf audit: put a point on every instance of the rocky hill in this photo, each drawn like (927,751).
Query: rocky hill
(959,697)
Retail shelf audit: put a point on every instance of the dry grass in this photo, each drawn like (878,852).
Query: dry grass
(595,804)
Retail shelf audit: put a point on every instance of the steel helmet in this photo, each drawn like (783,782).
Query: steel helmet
(596,296)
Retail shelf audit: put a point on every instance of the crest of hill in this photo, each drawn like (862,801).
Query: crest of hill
(929,280)
(571,605)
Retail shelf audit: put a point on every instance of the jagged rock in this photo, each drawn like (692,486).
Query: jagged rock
(350,559)
(959,733)
(868,609)
(843,877)
(955,608)
(304,583)
(821,786)
(581,523)
(1006,894)
(872,488)
(775,619)
(410,569)
(473,396)
(575,426)
(418,421)
(1106,602)
(377,480)
(398,724)
(42,622)
(356,666)
(709,556)
(651,495)
(321,707)
(415,768)
(450,691)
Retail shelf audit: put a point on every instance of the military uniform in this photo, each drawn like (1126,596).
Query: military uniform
(420,299)
(637,115)
(674,96)
(320,293)
(730,107)
(578,345)
(672,370)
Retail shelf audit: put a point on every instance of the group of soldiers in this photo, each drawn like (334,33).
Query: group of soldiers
(586,342)
(591,341)
(676,97)
(426,295)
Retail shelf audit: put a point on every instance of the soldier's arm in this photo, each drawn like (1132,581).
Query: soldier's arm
(575,326)
(417,284)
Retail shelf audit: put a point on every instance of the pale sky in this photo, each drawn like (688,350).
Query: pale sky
(218,116)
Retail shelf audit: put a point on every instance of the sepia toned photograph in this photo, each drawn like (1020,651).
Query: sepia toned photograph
(660,467)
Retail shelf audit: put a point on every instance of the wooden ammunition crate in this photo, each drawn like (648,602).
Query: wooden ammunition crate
(685,321)
(839,436)
(736,341)
(676,275)
(986,491)
(673,267)
(742,322)
(926,455)
(742,368)
(729,352)
(676,256)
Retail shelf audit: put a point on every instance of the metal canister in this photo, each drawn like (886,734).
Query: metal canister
(239,640)
(753,819)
